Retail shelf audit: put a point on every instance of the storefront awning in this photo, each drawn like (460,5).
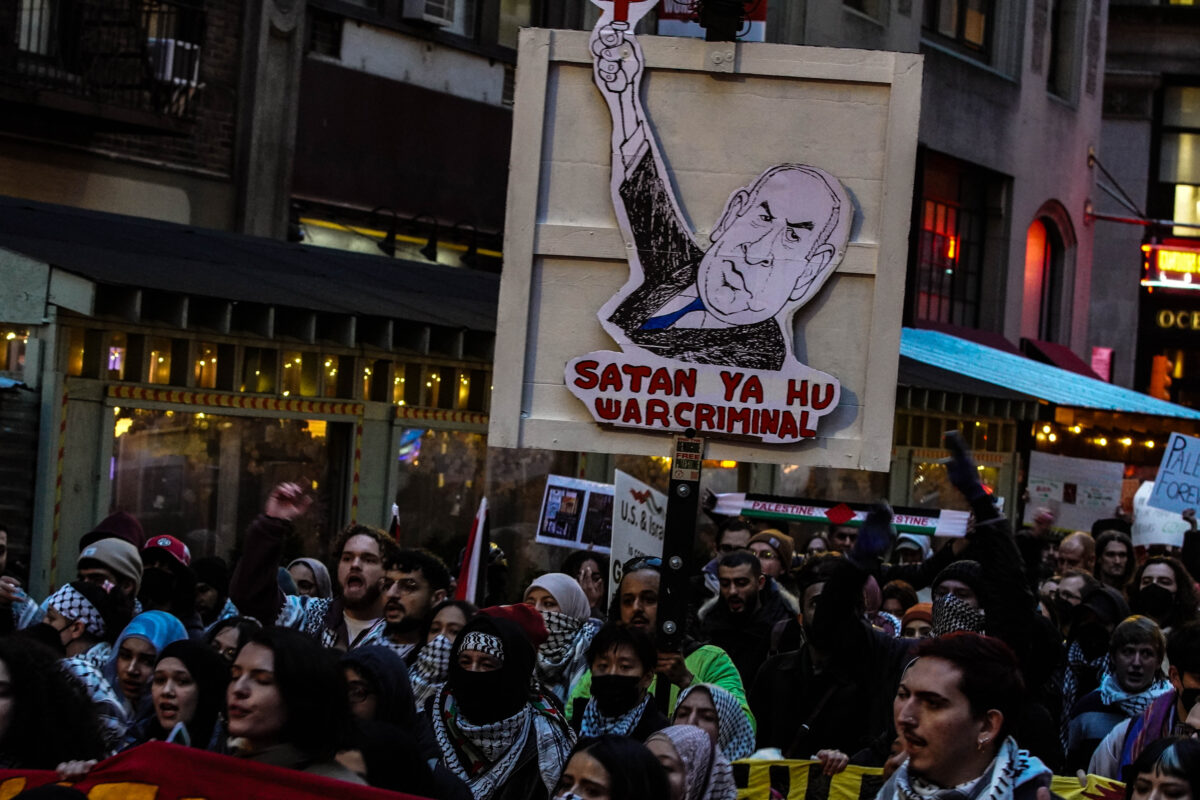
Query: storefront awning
(134,253)
(1019,374)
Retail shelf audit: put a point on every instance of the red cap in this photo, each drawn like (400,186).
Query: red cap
(173,546)
(527,617)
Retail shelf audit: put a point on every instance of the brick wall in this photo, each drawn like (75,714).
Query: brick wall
(210,143)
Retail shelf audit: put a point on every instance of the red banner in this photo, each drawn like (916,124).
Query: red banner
(158,771)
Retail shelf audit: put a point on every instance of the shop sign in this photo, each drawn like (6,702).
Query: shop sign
(1175,266)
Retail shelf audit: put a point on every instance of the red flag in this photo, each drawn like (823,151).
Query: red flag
(170,772)
(469,581)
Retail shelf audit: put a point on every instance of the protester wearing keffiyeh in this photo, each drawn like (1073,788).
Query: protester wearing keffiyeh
(735,737)
(502,739)
(562,658)
(708,775)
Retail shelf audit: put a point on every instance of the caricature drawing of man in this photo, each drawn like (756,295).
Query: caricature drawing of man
(778,240)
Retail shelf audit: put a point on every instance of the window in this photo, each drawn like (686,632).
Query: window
(1179,157)
(966,23)
(1045,265)
(947,275)
(1063,67)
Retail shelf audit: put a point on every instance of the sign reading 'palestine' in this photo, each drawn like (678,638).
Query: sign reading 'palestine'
(705,330)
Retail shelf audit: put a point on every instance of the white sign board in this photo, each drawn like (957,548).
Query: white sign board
(639,517)
(576,513)
(1153,525)
(668,266)
(1078,490)
(1177,485)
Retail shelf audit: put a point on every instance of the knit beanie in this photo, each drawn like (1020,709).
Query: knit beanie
(968,572)
(921,611)
(119,525)
(117,555)
(778,541)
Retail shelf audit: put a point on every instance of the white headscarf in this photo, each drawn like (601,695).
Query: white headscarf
(567,591)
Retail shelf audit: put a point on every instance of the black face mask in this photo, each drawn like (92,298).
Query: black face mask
(1153,601)
(616,694)
(485,697)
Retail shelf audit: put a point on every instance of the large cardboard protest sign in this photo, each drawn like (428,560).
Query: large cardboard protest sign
(1078,490)
(1177,485)
(1154,525)
(639,520)
(706,236)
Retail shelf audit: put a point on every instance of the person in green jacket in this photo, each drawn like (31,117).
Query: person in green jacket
(636,605)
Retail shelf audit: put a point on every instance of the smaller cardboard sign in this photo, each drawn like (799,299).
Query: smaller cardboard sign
(1154,525)
(639,519)
(689,455)
(576,513)
(1177,486)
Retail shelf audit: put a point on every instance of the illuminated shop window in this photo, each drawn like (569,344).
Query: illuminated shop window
(158,364)
(12,349)
(206,365)
(202,477)
(116,356)
(258,370)
(300,374)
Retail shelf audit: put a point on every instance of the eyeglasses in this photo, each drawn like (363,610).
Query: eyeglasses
(641,562)
(766,555)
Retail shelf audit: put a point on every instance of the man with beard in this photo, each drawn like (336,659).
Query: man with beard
(168,582)
(636,605)
(740,619)
(836,691)
(340,622)
(414,582)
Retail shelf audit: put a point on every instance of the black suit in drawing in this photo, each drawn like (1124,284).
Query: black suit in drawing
(670,261)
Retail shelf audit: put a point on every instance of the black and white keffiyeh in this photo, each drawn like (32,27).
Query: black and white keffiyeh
(1010,768)
(734,733)
(1131,704)
(71,604)
(484,756)
(1078,666)
(562,658)
(428,674)
(951,613)
(481,642)
(596,724)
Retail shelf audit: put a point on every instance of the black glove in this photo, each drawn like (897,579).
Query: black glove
(961,469)
(876,534)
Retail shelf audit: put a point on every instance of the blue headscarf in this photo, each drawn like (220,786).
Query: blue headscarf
(159,629)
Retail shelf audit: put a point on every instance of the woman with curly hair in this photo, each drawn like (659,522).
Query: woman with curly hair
(45,716)
(1165,591)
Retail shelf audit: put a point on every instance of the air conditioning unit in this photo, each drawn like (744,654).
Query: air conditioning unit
(435,12)
(174,61)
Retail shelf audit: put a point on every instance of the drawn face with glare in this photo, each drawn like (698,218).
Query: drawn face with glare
(772,247)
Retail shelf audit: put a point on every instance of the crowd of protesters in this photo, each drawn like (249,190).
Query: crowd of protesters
(974,670)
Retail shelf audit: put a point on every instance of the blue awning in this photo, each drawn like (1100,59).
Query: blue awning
(1017,373)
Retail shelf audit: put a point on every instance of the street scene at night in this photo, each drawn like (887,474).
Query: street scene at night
(600,399)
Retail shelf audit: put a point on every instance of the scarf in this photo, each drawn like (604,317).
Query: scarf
(596,724)
(1153,723)
(571,599)
(485,756)
(735,736)
(429,672)
(562,658)
(951,613)
(1010,768)
(1077,666)
(1111,694)
(708,773)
